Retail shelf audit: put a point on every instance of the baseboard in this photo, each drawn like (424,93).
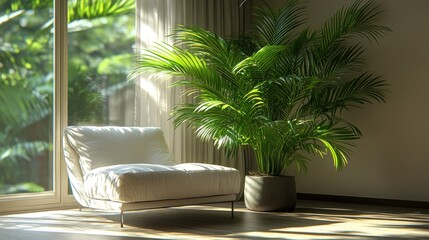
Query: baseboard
(364,200)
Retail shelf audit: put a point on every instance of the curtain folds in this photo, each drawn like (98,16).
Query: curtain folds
(154,97)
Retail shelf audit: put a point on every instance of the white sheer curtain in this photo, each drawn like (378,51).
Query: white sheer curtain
(154,97)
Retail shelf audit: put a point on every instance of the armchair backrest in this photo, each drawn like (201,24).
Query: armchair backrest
(88,147)
(104,146)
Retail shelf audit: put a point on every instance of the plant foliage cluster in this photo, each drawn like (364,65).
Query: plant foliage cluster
(280,88)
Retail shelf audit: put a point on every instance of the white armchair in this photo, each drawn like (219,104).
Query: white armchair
(130,168)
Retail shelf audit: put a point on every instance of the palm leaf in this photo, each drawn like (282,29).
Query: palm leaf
(293,61)
(356,92)
(22,150)
(360,18)
(260,65)
(10,16)
(212,48)
(90,9)
(334,52)
(171,60)
(275,27)
(17,5)
(21,106)
(337,140)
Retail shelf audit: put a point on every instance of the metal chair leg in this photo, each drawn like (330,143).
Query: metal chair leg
(122,219)
(232,209)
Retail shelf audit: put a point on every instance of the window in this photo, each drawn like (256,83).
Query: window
(35,64)
(26,96)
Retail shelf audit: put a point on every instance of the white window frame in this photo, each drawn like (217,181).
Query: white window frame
(59,197)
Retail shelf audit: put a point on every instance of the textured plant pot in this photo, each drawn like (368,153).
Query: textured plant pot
(270,193)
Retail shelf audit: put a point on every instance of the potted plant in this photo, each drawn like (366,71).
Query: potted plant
(280,89)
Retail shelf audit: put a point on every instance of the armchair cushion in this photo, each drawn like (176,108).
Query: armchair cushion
(152,182)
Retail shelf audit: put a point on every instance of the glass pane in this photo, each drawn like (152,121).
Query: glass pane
(101,37)
(26,96)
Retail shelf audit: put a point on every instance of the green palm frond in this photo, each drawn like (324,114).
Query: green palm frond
(210,124)
(22,150)
(361,90)
(286,96)
(345,60)
(334,52)
(295,60)
(276,27)
(17,5)
(337,140)
(21,106)
(197,75)
(10,16)
(260,65)
(212,48)
(225,123)
(356,92)
(171,60)
(90,9)
(359,18)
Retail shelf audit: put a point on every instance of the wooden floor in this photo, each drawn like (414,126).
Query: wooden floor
(310,220)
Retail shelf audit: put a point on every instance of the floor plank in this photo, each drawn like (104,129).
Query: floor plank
(310,220)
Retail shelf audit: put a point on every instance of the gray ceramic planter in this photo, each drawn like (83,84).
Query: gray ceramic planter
(270,193)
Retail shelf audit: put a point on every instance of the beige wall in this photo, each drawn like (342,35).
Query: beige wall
(391,160)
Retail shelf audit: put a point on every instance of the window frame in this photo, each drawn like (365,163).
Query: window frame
(59,196)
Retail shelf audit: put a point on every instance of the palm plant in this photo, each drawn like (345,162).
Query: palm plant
(284,92)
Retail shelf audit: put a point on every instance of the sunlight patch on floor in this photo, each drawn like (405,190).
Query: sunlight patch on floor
(214,222)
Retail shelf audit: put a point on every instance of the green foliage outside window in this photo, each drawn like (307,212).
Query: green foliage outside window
(101,34)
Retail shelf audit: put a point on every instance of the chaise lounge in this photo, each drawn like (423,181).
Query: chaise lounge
(131,168)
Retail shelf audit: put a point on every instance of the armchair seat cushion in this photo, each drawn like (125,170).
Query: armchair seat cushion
(152,182)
